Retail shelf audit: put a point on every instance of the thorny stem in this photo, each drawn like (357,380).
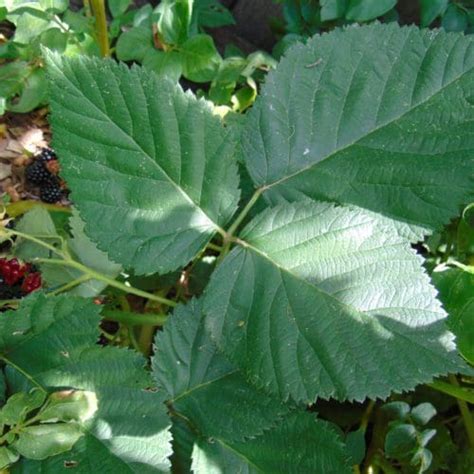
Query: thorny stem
(465,413)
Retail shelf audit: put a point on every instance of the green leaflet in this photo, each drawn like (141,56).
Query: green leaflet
(323,301)
(299,444)
(204,387)
(235,428)
(371,116)
(51,342)
(152,193)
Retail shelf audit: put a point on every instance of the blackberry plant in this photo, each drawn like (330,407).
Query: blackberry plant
(359,146)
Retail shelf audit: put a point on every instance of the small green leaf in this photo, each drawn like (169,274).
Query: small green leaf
(423,413)
(366,10)
(432,9)
(356,447)
(174,20)
(12,76)
(33,93)
(54,39)
(332,9)
(201,60)
(29,25)
(56,6)
(396,410)
(455,288)
(7,457)
(167,64)
(118,7)
(401,441)
(422,459)
(455,19)
(212,14)
(42,441)
(134,44)
(19,405)
(69,405)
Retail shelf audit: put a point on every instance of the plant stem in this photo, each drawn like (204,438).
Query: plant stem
(458,392)
(245,211)
(212,246)
(71,284)
(110,281)
(98,8)
(465,413)
(232,229)
(22,372)
(135,319)
(51,248)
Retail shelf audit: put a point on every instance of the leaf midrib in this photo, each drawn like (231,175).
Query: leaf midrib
(372,132)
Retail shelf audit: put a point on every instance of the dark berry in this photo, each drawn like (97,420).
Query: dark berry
(37,173)
(31,282)
(10,292)
(47,155)
(51,192)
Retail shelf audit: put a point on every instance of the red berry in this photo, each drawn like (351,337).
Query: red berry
(31,282)
(12,271)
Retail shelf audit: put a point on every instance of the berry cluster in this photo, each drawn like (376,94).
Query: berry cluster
(43,173)
(16,279)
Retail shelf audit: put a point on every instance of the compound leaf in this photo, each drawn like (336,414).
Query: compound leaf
(152,194)
(50,342)
(322,301)
(370,116)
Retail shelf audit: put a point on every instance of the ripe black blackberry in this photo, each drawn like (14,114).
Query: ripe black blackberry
(47,155)
(37,173)
(51,192)
(10,292)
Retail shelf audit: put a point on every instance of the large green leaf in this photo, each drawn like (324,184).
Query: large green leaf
(324,301)
(51,342)
(365,10)
(377,116)
(152,193)
(228,425)
(203,386)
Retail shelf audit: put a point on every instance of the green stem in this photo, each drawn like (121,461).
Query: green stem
(233,228)
(458,392)
(98,8)
(110,281)
(33,239)
(384,465)
(135,319)
(245,211)
(465,413)
(71,284)
(22,372)
(212,246)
